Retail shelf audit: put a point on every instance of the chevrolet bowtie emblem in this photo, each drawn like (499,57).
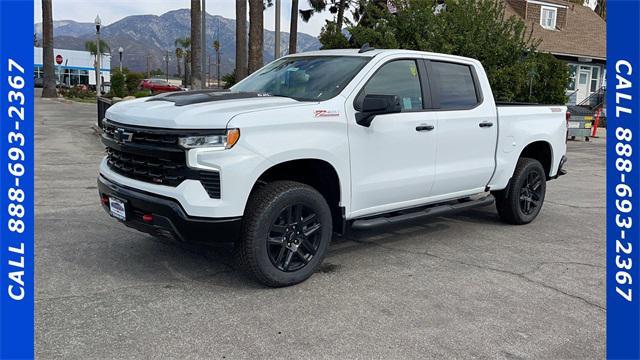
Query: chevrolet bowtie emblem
(121,136)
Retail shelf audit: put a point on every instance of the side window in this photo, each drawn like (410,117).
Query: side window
(399,77)
(456,86)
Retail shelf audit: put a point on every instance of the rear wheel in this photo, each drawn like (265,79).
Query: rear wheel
(523,199)
(286,233)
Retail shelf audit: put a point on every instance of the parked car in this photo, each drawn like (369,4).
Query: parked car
(321,142)
(158,86)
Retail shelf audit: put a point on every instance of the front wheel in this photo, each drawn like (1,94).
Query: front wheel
(522,201)
(286,233)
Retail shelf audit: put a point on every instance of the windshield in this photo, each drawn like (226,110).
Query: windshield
(305,78)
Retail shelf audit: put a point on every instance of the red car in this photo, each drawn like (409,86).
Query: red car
(157,86)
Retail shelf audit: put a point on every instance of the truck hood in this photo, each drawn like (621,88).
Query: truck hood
(164,111)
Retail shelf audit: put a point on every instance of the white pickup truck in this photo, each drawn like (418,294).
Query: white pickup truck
(321,142)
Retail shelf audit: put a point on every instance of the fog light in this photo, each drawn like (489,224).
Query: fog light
(147,218)
(105,200)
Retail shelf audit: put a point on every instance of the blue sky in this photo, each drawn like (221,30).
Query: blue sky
(114,10)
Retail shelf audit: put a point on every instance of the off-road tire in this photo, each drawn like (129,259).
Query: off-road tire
(264,207)
(508,202)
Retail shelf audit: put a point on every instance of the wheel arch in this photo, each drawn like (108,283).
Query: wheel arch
(542,151)
(317,173)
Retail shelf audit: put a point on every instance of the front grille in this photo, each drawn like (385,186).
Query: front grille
(153,155)
(151,169)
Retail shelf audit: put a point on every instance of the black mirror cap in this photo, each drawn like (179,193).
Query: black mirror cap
(373,105)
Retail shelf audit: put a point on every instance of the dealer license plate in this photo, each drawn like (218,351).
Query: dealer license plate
(117,209)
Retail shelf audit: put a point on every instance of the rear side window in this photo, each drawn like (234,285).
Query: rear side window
(456,85)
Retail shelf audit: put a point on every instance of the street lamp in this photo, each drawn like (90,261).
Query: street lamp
(120,51)
(98,70)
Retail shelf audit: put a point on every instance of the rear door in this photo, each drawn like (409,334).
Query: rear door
(467,128)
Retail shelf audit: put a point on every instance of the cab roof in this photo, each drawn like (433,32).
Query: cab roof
(374,52)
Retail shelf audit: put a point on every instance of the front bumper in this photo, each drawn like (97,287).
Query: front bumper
(167,218)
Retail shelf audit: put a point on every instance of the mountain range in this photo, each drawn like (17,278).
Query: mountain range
(149,37)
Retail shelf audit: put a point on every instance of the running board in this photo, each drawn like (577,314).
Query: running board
(438,210)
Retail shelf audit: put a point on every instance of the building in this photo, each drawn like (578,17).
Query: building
(76,67)
(573,33)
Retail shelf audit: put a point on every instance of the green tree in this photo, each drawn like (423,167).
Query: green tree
(229,79)
(184,44)
(91,47)
(133,81)
(117,84)
(473,28)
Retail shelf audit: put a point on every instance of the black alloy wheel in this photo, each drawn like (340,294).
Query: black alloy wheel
(531,192)
(294,237)
(522,200)
(287,228)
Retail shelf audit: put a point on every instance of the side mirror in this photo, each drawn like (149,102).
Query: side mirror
(373,105)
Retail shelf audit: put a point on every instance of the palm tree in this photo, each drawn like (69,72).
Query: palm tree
(179,54)
(91,47)
(241,39)
(49,81)
(184,45)
(196,21)
(256,28)
(293,29)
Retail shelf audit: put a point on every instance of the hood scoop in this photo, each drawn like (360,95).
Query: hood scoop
(203,96)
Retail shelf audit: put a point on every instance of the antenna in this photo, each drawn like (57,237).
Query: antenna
(365,48)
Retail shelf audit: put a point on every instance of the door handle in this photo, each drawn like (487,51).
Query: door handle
(486,124)
(425,127)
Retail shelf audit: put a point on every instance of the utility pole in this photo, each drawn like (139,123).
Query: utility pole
(218,67)
(218,57)
(277,44)
(203,35)
(148,66)
(209,72)
(166,59)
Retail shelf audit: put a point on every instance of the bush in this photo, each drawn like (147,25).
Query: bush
(229,79)
(142,93)
(118,84)
(132,82)
(78,92)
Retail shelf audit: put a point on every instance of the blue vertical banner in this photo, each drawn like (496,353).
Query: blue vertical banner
(16,180)
(623,182)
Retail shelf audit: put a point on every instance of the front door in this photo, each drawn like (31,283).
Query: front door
(582,85)
(392,160)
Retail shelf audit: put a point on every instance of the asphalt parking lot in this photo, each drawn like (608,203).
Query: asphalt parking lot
(465,286)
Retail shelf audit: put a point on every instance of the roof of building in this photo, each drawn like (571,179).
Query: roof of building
(585,33)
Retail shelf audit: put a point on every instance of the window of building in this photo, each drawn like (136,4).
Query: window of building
(37,72)
(399,77)
(595,77)
(456,85)
(573,69)
(548,17)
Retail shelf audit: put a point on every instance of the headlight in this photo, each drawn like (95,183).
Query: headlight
(213,141)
